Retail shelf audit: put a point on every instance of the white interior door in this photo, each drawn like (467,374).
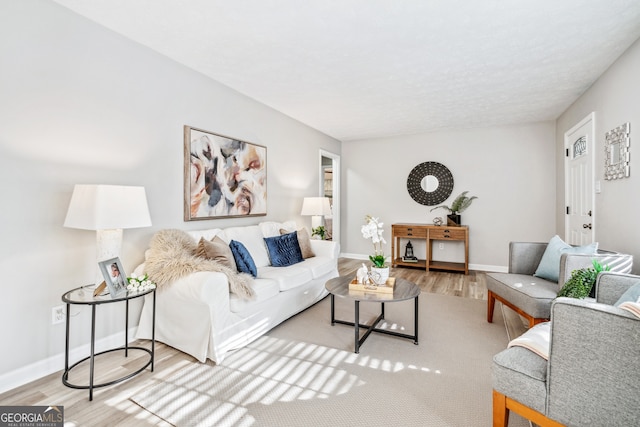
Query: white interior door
(579,183)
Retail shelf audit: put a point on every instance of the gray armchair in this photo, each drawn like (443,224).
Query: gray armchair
(531,296)
(592,377)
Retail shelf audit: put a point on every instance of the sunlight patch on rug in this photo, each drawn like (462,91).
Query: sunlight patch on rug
(269,370)
(305,372)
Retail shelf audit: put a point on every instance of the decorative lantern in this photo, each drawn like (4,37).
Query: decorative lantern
(408,251)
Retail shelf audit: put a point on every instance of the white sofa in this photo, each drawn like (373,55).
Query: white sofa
(196,314)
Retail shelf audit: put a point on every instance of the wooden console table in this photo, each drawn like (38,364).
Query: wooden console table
(429,233)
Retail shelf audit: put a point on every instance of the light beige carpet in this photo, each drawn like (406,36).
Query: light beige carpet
(305,373)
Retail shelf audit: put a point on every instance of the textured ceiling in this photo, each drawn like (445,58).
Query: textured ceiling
(357,69)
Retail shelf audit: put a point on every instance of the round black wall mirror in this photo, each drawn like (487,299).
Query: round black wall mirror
(430,183)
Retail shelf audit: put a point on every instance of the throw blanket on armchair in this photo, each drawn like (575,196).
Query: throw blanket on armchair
(171,256)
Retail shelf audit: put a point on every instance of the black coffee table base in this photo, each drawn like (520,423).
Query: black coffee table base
(372,327)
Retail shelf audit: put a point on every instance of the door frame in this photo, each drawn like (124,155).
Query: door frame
(335,159)
(567,150)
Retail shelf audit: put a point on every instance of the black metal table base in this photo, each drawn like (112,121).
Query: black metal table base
(65,375)
(372,327)
(93,354)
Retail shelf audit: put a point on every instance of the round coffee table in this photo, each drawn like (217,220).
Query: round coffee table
(403,290)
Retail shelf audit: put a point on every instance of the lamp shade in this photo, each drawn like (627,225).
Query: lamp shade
(107,207)
(316,206)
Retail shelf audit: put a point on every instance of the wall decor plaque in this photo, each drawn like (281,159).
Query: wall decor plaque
(430,183)
(616,156)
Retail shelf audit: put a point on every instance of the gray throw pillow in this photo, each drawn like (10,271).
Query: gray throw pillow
(549,267)
(631,295)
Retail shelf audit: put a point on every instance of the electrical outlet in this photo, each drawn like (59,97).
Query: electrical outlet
(440,246)
(57,314)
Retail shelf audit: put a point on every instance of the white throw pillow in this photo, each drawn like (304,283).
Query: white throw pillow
(251,237)
(536,339)
(272,228)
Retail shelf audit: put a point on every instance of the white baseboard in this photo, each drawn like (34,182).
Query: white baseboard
(489,268)
(479,267)
(50,365)
(354,256)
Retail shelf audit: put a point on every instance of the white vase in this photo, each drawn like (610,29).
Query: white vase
(380,275)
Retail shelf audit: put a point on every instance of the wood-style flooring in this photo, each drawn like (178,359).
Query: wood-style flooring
(111,405)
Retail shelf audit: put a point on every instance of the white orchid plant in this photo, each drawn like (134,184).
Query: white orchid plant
(372,229)
(139,283)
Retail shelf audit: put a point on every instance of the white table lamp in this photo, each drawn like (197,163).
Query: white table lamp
(316,207)
(107,209)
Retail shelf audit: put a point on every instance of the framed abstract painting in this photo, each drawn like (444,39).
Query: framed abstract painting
(223,177)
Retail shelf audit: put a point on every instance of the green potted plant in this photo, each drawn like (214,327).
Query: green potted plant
(459,205)
(319,231)
(580,284)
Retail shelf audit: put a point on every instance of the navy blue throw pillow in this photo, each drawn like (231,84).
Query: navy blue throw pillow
(284,250)
(243,258)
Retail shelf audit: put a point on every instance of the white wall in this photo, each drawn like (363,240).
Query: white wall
(615,99)
(81,104)
(510,169)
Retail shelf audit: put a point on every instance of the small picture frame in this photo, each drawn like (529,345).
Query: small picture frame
(114,276)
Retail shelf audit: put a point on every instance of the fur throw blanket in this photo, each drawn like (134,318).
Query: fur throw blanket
(171,256)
